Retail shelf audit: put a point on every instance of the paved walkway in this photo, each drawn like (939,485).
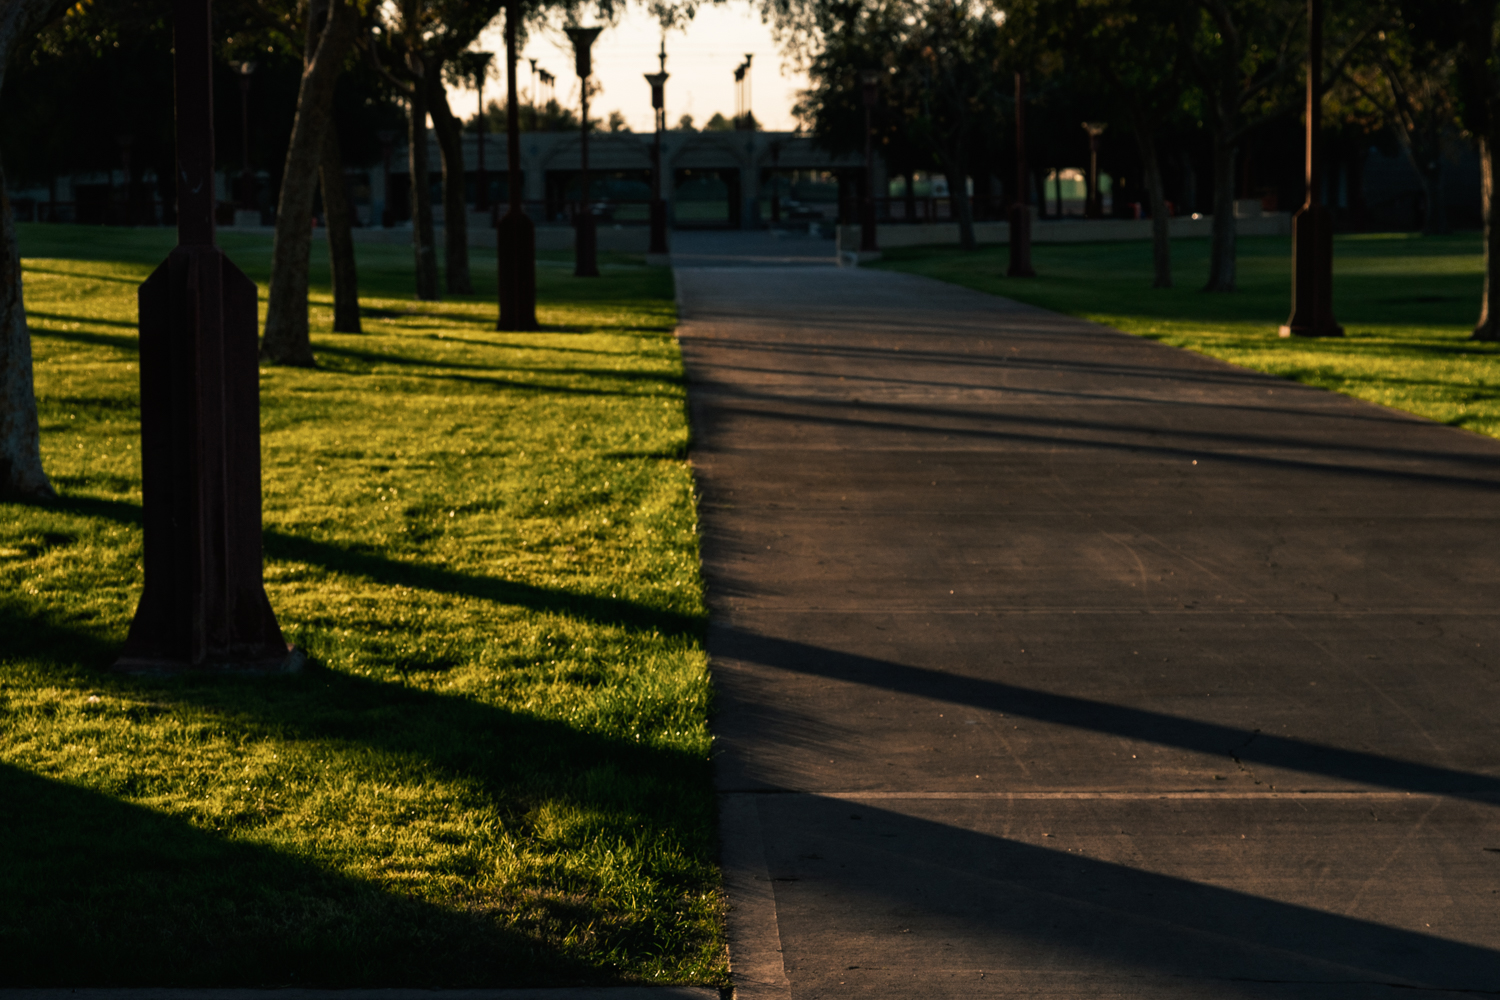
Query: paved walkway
(1055,663)
(750,248)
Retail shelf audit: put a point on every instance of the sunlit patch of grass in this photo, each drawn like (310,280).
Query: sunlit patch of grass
(495,772)
(1407,302)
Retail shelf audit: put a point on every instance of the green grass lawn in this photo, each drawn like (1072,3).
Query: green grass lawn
(1407,302)
(495,769)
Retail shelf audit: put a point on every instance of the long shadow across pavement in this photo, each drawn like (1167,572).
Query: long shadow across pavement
(1055,662)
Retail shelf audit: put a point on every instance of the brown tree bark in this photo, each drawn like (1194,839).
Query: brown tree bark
(1161,222)
(339,217)
(330,34)
(455,208)
(1488,327)
(958,197)
(959,203)
(421,187)
(21,473)
(1221,262)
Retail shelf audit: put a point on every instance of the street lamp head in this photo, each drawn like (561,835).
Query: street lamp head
(247,67)
(871,80)
(1095,129)
(583,42)
(658,83)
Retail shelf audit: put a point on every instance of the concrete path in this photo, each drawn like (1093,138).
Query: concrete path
(296,993)
(1055,663)
(750,248)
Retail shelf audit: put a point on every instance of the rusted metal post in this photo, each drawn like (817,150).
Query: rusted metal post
(247,176)
(1312,226)
(515,233)
(586,238)
(1093,203)
(658,83)
(387,139)
(204,604)
(1020,212)
(870,78)
(482,183)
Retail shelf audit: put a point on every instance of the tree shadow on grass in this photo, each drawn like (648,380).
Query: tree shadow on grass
(129,324)
(103,892)
(120,341)
(91,275)
(385,358)
(372,564)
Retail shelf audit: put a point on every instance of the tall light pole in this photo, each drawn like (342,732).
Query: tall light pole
(387,139)
(515,236)
(775,184)
(739,96)
(749,123)
(1020,213)
(532,94)
(481,67)
(125,141)
(586,241)
(1093,204)
(658,83)
(870,79)
(204,605)
(247,176)
(1312,226)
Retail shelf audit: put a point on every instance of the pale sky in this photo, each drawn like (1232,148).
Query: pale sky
(700,60)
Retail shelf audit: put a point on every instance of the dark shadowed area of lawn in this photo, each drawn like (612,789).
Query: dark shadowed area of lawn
(495,770)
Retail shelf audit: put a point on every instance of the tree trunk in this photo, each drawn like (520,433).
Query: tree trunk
(958,198)
(286,340)
(1432,190)
(1435,218)
(1189,183)
(1221,266)
(910,198)
(455,207)
(1357,188)
(21,472)
(1488,327)
(1161,222)
(421,192)
(340,220)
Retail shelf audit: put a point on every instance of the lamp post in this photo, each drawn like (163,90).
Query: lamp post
(775,184)
(387,139)
(1020,214)
(586,242)
(247,176)
(125,141)
(658,83)
(532,94)
(747,116)
(870,78)
(204,605)
(515,236)
(1312,226)
(481,66)
(1093,204)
